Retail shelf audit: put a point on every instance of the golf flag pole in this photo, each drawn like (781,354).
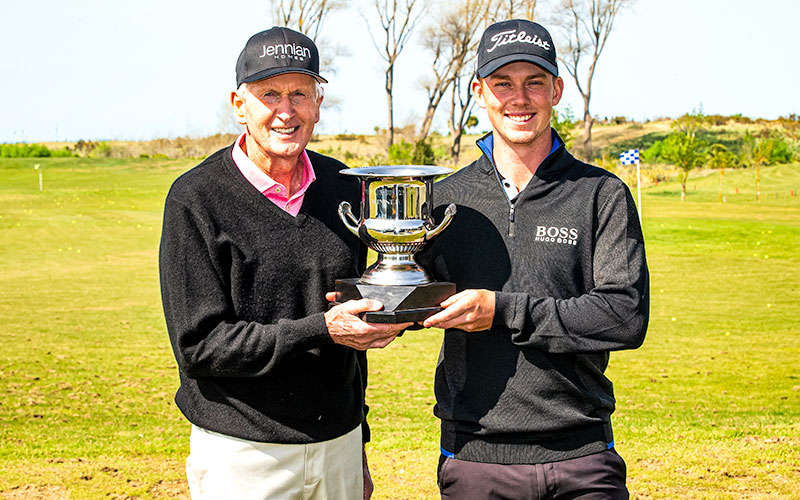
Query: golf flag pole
(631,157)
(41,182)
(638,189)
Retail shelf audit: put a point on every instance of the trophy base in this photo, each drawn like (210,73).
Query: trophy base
(401,303)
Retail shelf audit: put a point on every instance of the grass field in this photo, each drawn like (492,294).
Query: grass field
(708,408)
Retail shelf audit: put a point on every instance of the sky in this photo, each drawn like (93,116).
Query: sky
(112,70)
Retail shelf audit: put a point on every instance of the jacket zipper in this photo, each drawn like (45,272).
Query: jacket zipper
(511,219)
(488,153)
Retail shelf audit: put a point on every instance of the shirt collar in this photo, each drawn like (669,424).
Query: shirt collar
(486,143)
(259,179)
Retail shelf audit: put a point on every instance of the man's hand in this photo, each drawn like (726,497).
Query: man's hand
(346,328)
(470,310)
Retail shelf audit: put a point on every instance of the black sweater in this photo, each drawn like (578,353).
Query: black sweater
(243,286)
(567,262)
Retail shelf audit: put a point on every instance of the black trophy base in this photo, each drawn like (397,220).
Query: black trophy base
(401,303)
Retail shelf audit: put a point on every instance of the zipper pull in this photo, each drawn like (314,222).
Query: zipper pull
(511,220)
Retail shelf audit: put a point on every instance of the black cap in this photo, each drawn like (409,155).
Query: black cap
(276,51)
(516,40)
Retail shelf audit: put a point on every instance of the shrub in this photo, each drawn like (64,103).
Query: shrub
(766,148)
(61,153)
(377,160)
(346,137)
(781,152)
(101,150)
(31,151)
(657,173)
(654,153)
(423,153)
(563,121)
(400,153)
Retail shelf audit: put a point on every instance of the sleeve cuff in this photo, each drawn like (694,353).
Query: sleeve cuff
(313,330)
(503,309)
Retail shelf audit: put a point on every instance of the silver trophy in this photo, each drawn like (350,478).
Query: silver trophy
(396,222)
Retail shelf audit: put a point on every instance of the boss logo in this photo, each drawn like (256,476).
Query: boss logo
(552,234)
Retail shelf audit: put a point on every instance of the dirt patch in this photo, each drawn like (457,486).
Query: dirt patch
(33,492)
(178,490)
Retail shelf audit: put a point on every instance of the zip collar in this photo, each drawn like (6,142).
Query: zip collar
(486,144)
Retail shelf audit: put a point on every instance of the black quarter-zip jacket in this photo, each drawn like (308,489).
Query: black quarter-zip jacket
(567,262)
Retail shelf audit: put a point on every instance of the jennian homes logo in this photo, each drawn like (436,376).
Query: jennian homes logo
(284,50)
(552,234)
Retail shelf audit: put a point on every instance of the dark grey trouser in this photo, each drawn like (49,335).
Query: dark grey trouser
(600,476)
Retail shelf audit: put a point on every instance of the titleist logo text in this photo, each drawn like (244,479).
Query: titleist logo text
(506,37)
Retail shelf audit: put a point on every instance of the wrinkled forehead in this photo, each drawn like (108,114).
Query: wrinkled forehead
(285,82)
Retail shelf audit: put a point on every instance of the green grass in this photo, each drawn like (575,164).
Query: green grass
(708,408)
(86,371)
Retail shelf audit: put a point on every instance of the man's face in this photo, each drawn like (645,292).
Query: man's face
(279,113)
(519,99)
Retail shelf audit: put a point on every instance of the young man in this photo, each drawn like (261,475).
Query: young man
(548,257)
(271,380)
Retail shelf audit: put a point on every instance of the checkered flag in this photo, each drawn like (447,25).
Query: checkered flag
(630,157)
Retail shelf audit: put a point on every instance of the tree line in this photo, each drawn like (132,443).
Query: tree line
(687,148)
(449,31)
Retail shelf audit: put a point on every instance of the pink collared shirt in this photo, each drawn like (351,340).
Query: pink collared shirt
(266,185)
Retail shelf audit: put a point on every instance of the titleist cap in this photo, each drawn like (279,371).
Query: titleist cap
(276,51)
(516,40)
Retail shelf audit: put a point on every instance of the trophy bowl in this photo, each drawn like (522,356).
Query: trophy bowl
(396,210)
(396,222)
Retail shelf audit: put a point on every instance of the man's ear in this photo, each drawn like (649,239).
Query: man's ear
(558,90)
(237,101)
(319,106)
(477,91)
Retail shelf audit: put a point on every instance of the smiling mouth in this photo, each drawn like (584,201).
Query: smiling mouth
(519,118)
(285,131)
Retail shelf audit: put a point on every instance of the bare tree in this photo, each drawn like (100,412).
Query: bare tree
(306,16)
(398,19)
(513,9)
(461,106)
(586,25)
(446,58)
(453,39)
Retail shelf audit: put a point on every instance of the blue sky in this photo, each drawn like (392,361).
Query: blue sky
(107,69)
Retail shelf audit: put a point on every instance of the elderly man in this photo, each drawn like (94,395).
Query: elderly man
(548,257)
(272,381)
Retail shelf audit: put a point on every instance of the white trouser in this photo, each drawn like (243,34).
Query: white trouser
(221,467)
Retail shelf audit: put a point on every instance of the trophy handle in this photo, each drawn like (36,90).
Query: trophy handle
(345,213)
(449,212)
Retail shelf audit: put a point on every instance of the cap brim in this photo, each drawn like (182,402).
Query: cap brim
(495,64)
(268,73)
